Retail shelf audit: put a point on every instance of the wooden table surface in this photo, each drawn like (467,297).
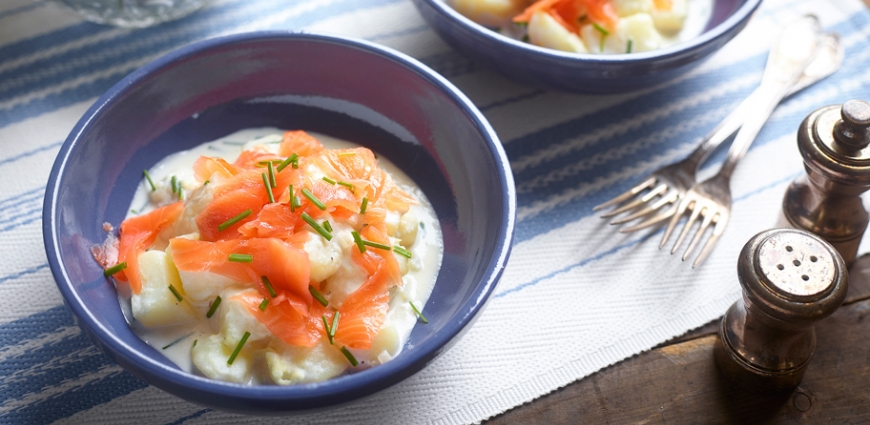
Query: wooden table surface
(678,382)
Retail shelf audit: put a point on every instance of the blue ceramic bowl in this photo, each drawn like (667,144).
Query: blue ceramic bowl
(585,73)
(385,100)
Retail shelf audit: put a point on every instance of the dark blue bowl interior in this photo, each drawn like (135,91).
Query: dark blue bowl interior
(384,101)
(585,73)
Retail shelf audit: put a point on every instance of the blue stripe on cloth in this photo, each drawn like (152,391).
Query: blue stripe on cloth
(21,9)
(21,211)
(34,215)
(189,417)
(81,92)
(22,48)
(15,201)
(32,152)
(18,274)
(30,327)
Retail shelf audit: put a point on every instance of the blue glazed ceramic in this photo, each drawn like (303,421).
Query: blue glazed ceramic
(386,101)
(585,73)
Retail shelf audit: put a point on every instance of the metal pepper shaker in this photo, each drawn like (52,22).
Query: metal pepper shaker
(827,200)
(790,279)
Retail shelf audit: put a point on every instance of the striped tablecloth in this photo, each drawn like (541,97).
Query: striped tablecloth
(576,296)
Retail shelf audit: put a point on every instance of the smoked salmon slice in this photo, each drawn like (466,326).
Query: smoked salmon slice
(138,234)
(283,318)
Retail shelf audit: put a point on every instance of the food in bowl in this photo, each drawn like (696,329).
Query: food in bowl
(591,26)
(277,260)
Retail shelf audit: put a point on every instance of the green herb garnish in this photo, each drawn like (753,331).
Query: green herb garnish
(402,251)
(223,226)
(205,182)
(313,199)
(240,258)
(292,201)
(326,326)
(214,307)
(272,181)
(328,180)
(334,326)
(318,296)
(628,47)
(362,207)
(264,304)
(173,183)
(238,348)
(326,235)
(268,286)
(604,33)
(268,188)
(176,293)
(327,226)
(290,159)
(420,315)
(347,185)
(349,356)
(115,269)
(359,243)
(150,182)
(376,245)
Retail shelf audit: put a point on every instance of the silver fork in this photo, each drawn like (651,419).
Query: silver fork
(795,48)
(668,185)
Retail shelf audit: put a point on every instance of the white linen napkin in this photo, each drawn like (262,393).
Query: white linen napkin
(576,296)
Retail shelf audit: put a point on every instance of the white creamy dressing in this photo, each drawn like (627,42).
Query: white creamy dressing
(175,342)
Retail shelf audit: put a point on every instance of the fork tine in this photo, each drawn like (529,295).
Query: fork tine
(669,197)
(681,209)
(696,211)
(651,221)
(637,202)
(628,194)
(718,229)
(705,223)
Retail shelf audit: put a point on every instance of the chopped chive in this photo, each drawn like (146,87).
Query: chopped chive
(173,184)
(521,24)
(264,304)
(268,188)
(286,162)
(231,142)
(326,326)
(422,226)
(365,203)
(334,326)
(223,226)
(313,199)
(328,180)
(115,269)
(194,343)
(600,29)
(347,185)
(240,258)
(150,182)
(292,201)
(402,251)
(525,38)
(326,235)
(205,182)
(176,293)
(238,348)
(346,153)
(376,245)
(214,307)
(271,161)
(327,226)
(178,340)
(268,286)
(420,315)
(272,181)
(358,241)
(318,296)
(628,47)
(296,202)
(349,356)
(134,212)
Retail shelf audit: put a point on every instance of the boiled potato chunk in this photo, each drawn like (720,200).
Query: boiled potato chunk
(210,356)
(386,344)
(324,256)
(155,305)
(294,365)
(671,21)
(493,13)
(630,7)
(544,31)
(638,28)
(407,231)
(343,282)
(203,287)
(236,320)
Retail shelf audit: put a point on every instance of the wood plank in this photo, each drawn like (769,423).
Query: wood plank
(679,384)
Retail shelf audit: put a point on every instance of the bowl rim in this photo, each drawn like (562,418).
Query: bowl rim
(674,51)
(342,389)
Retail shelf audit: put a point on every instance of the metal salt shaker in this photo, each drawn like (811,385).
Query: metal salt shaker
(790,280)
(827,200)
